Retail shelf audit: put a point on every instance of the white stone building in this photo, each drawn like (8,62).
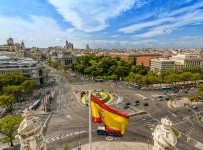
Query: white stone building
(162,63)
(25,66)
(184,60)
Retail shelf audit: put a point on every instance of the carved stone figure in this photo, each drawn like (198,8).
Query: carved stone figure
(30,132)
(163,136)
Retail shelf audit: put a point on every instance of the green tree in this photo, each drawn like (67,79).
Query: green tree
(138,78)
(197,76)
(13,90)
(8,127)
(200,90)
(186,76)
(47,70)
(193,69)
(146,81)
(28,86)
(7,101)
(11,79)
(172,78)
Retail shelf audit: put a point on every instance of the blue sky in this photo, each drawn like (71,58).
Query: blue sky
(104,23)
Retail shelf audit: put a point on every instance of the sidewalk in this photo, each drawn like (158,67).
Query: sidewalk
(180,103)
(109,145)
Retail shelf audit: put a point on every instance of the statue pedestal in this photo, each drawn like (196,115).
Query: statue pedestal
(163,136)
(30,132)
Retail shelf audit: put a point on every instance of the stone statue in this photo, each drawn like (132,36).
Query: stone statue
(30,132)
(163,136)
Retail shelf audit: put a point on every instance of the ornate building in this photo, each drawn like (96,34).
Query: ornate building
(69,46)
(25,66)
(11,46)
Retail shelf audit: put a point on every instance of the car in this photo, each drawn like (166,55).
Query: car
(101,131)
(145,104)
(145,98)
(164,92)
(167,98)
(186,92)
(160,99)
(128,103)
(137,101)
(195,107)
(126,107)
(137,104)
(160,96)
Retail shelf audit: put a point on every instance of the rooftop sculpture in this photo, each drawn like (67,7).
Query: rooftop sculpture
(30,132)
(163,136)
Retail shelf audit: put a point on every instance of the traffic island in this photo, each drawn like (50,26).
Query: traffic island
(176,132)
(104,96)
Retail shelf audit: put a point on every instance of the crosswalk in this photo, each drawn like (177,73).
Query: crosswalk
(50,139)
(143,122)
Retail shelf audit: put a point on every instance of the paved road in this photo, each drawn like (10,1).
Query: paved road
(70,117)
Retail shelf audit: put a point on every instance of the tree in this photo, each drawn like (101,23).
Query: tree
(28,86)
(186,76)
(7,101)
(138,78)
(197,76)
(11,79)
(47,70)
(200,90)
(193,69)
(13,90)
(172,78)
(8,127)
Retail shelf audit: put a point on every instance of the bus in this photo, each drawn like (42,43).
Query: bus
(102,131)
(99,80)
(35,105)
(166,89)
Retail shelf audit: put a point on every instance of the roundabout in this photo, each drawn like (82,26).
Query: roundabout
(104,96)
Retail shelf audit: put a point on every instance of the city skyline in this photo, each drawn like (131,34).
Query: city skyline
(103,24)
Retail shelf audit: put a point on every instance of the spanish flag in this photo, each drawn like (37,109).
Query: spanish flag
(113,120)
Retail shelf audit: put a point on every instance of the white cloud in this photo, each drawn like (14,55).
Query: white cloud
(167,18)
(37,31)
(188,19)
(115,36)
(91,15)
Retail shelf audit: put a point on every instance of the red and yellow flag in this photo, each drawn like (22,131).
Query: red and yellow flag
(113,120)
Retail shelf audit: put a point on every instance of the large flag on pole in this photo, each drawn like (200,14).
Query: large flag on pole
(113,120)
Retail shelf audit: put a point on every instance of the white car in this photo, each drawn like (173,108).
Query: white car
(145,98)
(160,99)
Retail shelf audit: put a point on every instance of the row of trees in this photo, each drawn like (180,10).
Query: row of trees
(12,87)
(113,68)
(170,78)
(106,67)
(56,65)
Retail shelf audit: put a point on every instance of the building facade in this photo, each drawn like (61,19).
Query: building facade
(145,59)
(25,66)
(11,46)
(64,58)
(188,60)
(162,63)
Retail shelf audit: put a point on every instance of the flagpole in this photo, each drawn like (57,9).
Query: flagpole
(90,122)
